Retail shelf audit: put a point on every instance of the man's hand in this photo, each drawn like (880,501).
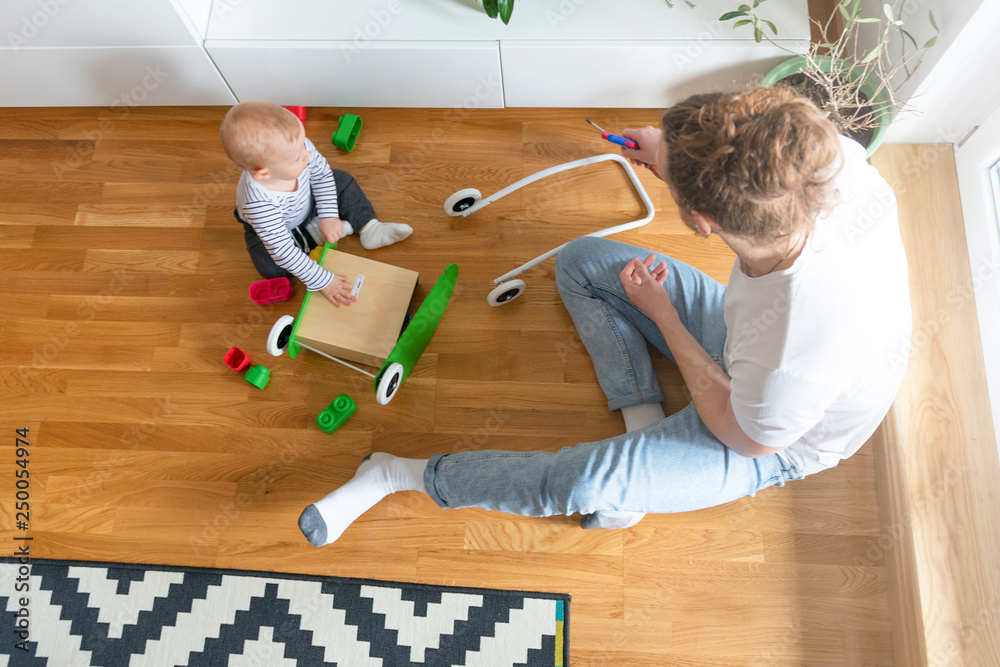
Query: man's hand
(339,291)
(643,283)
(649,139)
(332,229)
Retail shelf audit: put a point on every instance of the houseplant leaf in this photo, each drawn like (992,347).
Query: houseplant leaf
(906,34)
(491,8)
(731,15)
(506,9)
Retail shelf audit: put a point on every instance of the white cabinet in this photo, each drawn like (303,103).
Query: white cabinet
(356,53)
(626,74)
(383,74)
(64,23)
(439,53)
(104,53)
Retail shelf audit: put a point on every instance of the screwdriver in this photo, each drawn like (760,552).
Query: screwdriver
(614,138)
(622,141)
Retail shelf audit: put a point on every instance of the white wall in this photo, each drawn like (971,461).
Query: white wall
(956,87)
(973,161)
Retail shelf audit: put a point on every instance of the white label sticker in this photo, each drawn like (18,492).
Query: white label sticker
(357,285)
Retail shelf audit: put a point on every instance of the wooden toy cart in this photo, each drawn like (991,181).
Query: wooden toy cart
(367,331)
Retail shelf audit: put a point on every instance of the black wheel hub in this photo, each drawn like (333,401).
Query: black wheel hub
(463,204)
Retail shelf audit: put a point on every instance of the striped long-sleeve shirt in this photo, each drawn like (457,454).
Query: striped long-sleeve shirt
(274,214)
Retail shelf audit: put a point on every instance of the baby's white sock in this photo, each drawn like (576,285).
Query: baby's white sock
(313,228)
(379,234)
(636,417)
(378,476)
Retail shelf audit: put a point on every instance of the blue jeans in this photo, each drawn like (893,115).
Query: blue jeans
(675,465)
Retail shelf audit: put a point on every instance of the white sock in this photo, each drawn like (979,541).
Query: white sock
(378,476)
(379,234)
(642,415)
(313,228)
(348,230)
(636,417)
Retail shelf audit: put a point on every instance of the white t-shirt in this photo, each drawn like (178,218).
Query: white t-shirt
(817,352)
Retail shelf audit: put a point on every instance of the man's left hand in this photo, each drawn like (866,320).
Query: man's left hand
(643,282)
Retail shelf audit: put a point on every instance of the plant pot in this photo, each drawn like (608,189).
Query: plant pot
(796,64)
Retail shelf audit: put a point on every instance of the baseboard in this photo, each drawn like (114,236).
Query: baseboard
(897,547)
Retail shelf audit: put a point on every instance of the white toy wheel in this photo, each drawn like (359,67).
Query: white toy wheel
(281,334)
(506,292)
(462,200)
(389,383)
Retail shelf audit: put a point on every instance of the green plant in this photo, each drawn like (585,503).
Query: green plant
(839,71)
(501,8)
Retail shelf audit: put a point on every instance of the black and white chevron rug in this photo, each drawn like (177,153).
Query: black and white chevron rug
(73,613)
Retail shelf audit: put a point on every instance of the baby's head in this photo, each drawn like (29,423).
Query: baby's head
(264,139)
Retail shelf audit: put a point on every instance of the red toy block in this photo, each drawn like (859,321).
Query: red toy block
(300,112)
(264,292)
(236,359)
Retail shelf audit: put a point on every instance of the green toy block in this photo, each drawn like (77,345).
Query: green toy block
(348,129)
(258,376)
(335,414)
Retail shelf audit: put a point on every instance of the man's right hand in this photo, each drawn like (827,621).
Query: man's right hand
(339,291)
(649,139)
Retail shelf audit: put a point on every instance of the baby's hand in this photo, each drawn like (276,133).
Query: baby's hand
(339,291)
(332,229)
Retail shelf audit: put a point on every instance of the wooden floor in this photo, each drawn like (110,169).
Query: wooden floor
(124,280)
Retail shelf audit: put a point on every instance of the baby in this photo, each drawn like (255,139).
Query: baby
(289,200)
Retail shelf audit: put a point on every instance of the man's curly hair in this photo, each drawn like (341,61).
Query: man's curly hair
(760,164)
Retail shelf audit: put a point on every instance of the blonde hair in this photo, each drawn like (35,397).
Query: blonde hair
(252,132)
(759,163)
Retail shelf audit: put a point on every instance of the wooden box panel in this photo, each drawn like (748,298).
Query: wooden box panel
(367,330)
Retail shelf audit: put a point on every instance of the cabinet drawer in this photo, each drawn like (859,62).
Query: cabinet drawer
(353,74)
(628,74)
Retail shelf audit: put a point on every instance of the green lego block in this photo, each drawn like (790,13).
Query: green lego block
(258,376)
(335,414)
(348,129)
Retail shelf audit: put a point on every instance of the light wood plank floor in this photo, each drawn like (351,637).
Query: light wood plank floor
(124,280)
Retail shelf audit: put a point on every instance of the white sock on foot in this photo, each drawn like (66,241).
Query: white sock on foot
(610,519)
(378,476)
(380,234)
(642,415)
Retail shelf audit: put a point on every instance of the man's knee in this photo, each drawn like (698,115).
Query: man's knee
(574,256)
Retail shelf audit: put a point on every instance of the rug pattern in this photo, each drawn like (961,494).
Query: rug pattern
(110,615)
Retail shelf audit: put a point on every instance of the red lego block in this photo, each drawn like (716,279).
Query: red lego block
(300,112)
(236,359)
